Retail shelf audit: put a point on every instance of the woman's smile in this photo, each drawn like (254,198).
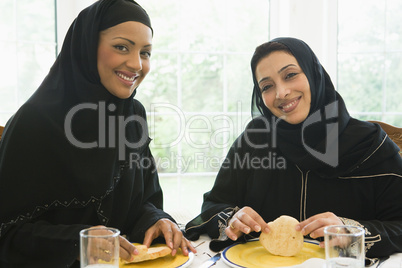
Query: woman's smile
(127,78)
(289,106)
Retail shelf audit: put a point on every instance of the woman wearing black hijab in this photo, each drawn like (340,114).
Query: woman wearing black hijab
(304,156)
(76,154)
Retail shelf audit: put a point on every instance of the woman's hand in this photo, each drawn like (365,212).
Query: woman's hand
(173,236)
(315,225)
(244,221)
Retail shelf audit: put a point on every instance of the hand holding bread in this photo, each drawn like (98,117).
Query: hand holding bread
(172,234)
(145,253)
(283,239)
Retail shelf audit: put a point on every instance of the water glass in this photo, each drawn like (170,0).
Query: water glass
(99,247)
(344,246)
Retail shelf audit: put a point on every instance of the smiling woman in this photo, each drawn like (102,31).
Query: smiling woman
(123,58)
(284,87)
(327,153)
(68,187)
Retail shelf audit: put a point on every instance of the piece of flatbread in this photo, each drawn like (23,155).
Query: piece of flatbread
(283,239)
(151,253)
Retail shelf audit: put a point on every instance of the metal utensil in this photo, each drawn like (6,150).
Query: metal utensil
(212,261)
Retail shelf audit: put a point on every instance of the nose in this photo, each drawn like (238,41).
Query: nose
(282,91)
(134,62)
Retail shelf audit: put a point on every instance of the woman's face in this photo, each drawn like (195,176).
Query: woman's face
(124,54)
(284,87)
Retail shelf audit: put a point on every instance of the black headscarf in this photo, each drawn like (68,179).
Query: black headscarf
(40,168)
(329,141)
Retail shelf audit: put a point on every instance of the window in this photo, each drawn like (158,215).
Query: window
(370,59)
(27,50)
(198,93)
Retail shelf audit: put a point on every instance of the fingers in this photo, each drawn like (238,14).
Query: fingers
(173,236)
(232,232)
(171,241)
(245,221)
(126,249)
(150,235)
(251,219)
(242,224)
(314,226)
(188,247)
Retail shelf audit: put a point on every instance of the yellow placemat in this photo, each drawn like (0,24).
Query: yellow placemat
(253,254)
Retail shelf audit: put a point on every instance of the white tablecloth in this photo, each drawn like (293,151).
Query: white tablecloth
(204,253)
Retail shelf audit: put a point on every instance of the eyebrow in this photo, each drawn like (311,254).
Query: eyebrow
(281,70)
(130,41)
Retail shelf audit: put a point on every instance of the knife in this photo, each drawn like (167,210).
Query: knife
(212,261)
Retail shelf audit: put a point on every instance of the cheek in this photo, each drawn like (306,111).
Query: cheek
(268,99)
(104,60)
(146,67)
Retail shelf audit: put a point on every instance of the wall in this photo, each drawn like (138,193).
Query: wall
(67,11)
(314,21)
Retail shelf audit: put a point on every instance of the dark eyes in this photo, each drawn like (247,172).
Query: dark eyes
(265,88)
(146,53)
(286,77)
(290,75)
(123,48)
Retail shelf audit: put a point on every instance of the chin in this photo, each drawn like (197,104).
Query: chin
(123,94)
(294,120)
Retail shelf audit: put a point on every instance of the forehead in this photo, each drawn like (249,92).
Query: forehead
(274,62)
(135,31)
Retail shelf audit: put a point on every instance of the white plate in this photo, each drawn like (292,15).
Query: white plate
(188,262)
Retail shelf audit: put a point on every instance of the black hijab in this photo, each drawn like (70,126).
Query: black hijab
(329,142)
(41,168)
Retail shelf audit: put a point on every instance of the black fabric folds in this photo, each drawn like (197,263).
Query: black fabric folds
(61,149)
(124,11)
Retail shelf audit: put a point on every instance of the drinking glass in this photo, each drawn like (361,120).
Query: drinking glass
(344,246)
(99,247)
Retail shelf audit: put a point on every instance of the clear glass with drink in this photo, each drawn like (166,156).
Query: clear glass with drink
(99,247)
(344,246)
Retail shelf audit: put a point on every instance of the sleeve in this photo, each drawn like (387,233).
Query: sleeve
(383,234)
(381,238)
(40,244)
(151,209)
(221,203)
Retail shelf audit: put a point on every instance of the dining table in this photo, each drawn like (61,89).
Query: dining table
(204,253)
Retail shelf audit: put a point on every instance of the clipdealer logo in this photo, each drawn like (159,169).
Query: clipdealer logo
(121,122)
(111,133)
(331,154)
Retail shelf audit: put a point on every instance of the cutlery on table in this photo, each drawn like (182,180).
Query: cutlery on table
(212,261)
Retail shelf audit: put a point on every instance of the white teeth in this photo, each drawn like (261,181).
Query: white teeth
(131,79)
(289,105)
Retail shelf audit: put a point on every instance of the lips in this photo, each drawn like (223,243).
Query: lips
(289,105)
(127,78)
